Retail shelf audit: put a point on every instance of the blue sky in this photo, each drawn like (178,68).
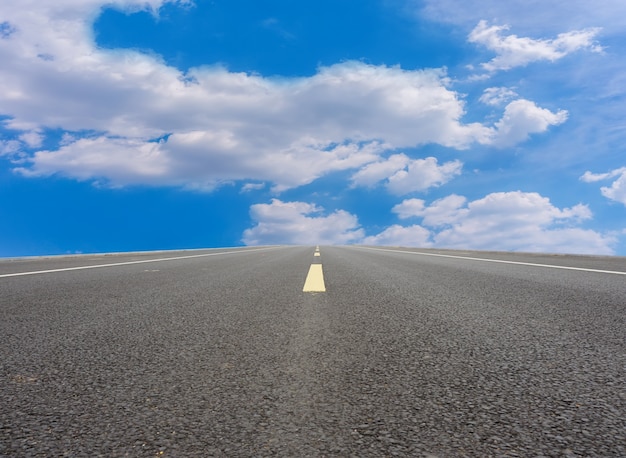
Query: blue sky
(142,125)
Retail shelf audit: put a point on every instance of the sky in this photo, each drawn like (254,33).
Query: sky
(132,125)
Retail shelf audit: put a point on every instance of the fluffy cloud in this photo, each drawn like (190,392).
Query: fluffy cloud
(133,119)
(396,235)
(409,208)
(124,160)
(403,175)
(522,118)
(441,212)
(182,160)
(513,51)
(295,223)
(509,221)
(302,223)
(589,177)
(617,190)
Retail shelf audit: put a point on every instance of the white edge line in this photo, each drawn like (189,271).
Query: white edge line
(583,269)
(18,274)
(115,253)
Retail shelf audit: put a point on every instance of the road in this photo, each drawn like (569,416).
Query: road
(404,353)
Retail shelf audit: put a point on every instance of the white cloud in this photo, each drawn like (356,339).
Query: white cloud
(295,223)
(126,160)
(375,172)
(396,235)
(522,118)
(441,212)
(513,51)
(617,190)
(198,160)
(403,175)
(218,126)
(509,221)
(302,223)
(589,177)
(422,174)
(496,96)
(409,208)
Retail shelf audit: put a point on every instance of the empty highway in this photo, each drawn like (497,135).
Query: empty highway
(293,351)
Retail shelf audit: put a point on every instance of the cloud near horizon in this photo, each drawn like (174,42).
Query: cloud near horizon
(300,223)
(509,221)
(503,221)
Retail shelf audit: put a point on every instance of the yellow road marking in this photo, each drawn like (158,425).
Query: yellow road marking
(314,282)
(316,254)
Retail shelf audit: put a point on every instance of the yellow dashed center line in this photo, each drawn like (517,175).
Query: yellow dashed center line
(314,282)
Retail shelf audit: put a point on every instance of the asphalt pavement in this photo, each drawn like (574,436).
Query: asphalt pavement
(406,352)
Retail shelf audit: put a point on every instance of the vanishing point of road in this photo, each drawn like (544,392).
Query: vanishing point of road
(305,352)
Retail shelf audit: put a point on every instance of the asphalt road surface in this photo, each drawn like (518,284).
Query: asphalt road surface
(220,353)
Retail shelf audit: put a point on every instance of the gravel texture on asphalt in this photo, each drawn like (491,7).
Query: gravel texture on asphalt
(226,356)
